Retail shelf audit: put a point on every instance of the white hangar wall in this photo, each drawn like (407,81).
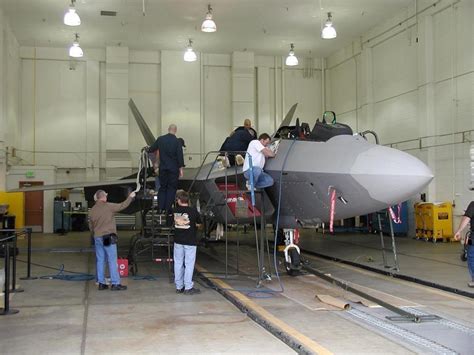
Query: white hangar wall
(412,81)
(9,95)
(74,113)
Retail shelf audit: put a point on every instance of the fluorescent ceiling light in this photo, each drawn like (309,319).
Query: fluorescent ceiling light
(190,55)
(75,50)
(71,18)
(328,32)
(208,24)
(291,60)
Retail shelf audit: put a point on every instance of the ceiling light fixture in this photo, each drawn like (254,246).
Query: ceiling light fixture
(328,31)
(291,60)
(75,50)
(208,24)
(71,18)
(190,55)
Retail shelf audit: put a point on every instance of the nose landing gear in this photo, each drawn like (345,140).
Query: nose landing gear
(292,252)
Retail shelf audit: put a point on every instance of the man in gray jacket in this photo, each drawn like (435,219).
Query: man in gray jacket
(104,228)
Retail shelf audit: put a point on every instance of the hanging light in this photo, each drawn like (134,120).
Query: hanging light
(75,50)
(328,32)
(291,60)
(190,55)
(71,18)
(208,25)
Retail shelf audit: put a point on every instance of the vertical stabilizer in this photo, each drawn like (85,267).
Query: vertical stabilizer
(146,132)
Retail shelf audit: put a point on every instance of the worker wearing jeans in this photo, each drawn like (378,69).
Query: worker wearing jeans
(468,217)
(186,221)
(261,179)
(106,254)
(257,152)
(104,229)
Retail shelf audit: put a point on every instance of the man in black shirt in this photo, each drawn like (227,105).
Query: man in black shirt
(468,217)
(169,154)
(238,141)
(186,222)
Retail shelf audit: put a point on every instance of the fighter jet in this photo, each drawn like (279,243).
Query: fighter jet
(311,167)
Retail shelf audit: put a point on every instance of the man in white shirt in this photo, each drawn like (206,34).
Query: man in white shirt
(258,151)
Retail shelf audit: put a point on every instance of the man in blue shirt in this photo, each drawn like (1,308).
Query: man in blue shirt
(169,154)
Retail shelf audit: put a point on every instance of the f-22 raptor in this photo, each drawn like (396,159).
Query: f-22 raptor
(327,172)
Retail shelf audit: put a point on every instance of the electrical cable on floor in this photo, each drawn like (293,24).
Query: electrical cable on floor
(78,276)
(74,276)
(278,218)
(145,277)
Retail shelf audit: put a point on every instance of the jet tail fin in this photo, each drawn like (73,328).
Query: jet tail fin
(146,132)
(287,119)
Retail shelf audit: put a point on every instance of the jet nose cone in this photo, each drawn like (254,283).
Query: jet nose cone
(389,175)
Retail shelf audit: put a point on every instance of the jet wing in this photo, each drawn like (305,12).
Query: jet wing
(79,184)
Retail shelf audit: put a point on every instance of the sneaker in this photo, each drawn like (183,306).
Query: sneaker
(248,186)
(103,287)
(118,288)
(180,290)
(192,291)
(470,284)
(239,159)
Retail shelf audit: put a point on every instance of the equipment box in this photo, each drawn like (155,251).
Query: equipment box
(436,219)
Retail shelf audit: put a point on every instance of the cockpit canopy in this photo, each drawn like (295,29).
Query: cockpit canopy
(321,132)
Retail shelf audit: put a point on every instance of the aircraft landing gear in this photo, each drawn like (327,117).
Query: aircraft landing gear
(292,252)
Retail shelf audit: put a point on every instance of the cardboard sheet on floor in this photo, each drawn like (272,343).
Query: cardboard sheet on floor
(362,301)
(303,288)
(333,301)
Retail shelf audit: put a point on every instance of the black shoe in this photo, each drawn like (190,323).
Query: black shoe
(118,288)
(192,291)
(103,287)
(180,290)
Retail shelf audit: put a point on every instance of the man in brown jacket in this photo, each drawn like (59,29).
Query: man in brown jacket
(102,225)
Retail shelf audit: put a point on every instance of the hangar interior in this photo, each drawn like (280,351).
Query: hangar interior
(401,68)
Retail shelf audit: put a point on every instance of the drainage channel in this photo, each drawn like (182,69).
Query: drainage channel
(446,322)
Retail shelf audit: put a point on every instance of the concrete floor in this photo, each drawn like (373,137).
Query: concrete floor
(67,317)
(433,262)
(343,332)
(73,317)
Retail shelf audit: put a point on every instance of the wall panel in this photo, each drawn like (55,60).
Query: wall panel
(394,67)
(304,91)
(217,106)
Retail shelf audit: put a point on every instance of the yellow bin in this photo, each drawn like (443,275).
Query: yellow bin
(419,220)
(439,221)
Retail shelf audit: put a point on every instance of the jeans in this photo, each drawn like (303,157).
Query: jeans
(470,260)
(260,178)
(184,259)
(106,254)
